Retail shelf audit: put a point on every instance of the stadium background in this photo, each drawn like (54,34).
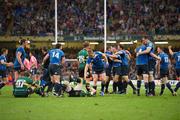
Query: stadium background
(80,20)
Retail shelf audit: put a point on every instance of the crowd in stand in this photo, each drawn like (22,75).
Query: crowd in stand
(86,17)
(144,16)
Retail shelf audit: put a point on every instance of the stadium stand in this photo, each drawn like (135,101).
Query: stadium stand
(85,17)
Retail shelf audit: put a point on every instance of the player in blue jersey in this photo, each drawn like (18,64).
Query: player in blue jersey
(163,70)
(109,68)
(151,62)
(57,59)
(176,56)
(98,68)
(142,69)
(125,57)
(116,70)
(20,57)
(46,76)
(3,67)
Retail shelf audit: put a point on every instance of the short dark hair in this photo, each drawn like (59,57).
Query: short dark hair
(108,47)
(3,50)
(22,41)
(161,48)
(26,74)
(86,44)
(116,46)
(145,37)
(45,49)
(32,52)
(121,46)
(58,46)
(90,51)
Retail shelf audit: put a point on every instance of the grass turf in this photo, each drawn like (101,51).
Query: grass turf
(109,107)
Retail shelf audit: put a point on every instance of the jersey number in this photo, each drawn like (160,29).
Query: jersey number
(20,83)
(178,58)
(166,60)
(81,59)
(56,54)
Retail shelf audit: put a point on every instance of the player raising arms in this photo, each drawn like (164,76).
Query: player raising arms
(3,67)
(20,57)
(176,56)
(57,58)
(98,69)
(163,70)
(82,58)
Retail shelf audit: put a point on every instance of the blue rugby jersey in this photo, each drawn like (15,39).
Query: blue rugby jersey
(23,56)
(141,59)
(2,66)
(55,56)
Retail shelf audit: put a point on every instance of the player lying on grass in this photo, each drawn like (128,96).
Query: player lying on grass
(77,90)
(25,86)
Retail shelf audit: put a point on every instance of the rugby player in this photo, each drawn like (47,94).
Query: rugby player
(77,90)
(116,70)
(20,56)
(3,67)
(150,48)
(82,58)
(142,69)
(33,65)
(109,68)
(25,86)
(57,59)
(98,68)
(163,70)
(45,75)
(176,56)
(125,57)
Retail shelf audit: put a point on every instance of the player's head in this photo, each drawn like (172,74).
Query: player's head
(159,49)
(25,73)
(86,45)
(24,43)
(58,46)
(144,40)
(4,51)
(109,48)
(31,53)
(90,53)
(44,50)
(121,47)
(115,48)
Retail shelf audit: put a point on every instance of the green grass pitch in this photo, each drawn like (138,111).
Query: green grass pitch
(109,107)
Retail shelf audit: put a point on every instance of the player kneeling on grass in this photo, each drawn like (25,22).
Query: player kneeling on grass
(77,90)
(24,86)
(164,71)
